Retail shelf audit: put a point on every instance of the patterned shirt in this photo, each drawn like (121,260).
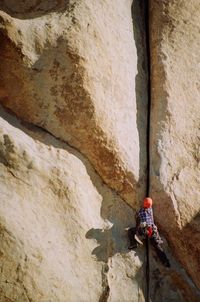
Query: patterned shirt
(146,215)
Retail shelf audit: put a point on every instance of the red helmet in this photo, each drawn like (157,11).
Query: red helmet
(147,203)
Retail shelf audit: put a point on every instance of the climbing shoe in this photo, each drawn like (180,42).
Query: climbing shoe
(137,239)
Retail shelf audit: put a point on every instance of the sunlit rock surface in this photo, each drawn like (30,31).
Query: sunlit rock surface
(175,127)
(73,164)
(73,68)
(62,230)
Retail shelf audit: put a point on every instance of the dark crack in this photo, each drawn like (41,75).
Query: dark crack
(105,285)
(18,178)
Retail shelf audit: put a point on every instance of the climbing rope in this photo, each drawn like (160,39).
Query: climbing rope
(146,5)
(147,271)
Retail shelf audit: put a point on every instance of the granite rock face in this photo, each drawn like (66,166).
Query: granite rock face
(175,127)
(62,230)
(73,162)
(73,67)
(70,68)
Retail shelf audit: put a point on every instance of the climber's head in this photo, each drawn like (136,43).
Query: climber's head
(147,203)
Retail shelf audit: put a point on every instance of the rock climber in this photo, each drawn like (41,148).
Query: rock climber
(145,227)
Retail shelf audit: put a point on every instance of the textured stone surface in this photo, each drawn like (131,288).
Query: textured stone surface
(62,229)
(175,127)
(73,69)
(60,226)
(78,70)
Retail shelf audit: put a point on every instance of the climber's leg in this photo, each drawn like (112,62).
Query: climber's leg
(156,241)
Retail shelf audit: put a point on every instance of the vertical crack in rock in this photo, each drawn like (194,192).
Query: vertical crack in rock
(105,285)
(55,57)
(149,95)
(141,90)
(148,139)
(140,17)
(177,274)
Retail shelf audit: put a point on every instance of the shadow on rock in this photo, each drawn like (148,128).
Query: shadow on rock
(24,9)
(108,245)
(104,239)
(114,213)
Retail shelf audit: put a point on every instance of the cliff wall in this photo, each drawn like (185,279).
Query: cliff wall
(73,148)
